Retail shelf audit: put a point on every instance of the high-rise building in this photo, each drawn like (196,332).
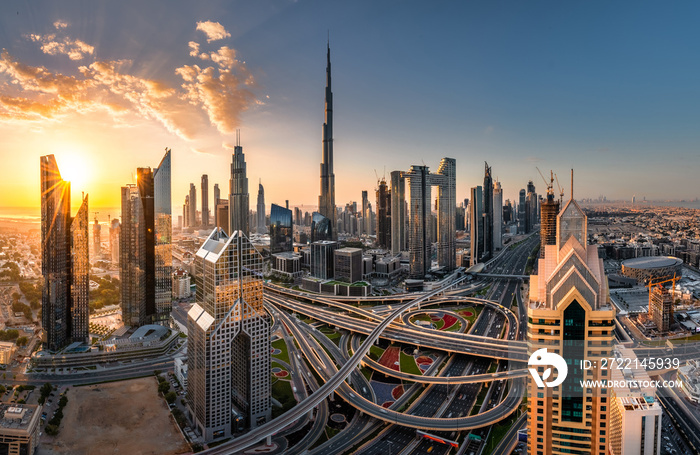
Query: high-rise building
(321,228)
(569,315)
(531,208)
(508,212)
(193,206)
(497,216)
(521,213)
(366,219)
(97,238)
(114,229)
(217,193)
(65,263)
(383,215)
(238,205)
(635,413)
(326,200)
(205,201)
(260,228)
(476,226)
(487,218)
(419,181)
(229,338)
(186,212)
(548,224)
(145,246)
(323,259)
(281,229)
(348,264)
(661,308)
(222,217)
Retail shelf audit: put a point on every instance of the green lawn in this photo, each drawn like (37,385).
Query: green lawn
(282,391)
(375,352)
(282,346)
(408,364)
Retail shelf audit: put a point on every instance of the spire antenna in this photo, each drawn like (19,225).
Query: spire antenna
(572,183)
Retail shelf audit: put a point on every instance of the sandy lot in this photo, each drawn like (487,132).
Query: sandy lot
(126,417)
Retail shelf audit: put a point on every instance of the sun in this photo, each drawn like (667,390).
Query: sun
(74,166)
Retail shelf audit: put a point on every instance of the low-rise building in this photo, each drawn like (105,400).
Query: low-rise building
(7,350)
(287,264)
(19,428)
(180,367)
(181,284)
(689,375)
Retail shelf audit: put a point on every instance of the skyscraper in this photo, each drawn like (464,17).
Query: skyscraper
(229,337)
(186,212)
(238,205)
(366,218)
(193,206)
(326,200)
(281,234)
(65,261)
(96,238)
(419,181)
(476,226)
(383,215)
(205,201)
(320,228)
(114,229)
(548,224)
(261,210)
(521,213)
(569,314)
(398,213)
(497,216)
(145,245)
(487,219)
(217,197)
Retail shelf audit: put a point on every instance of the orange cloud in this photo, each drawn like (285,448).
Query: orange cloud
(213,30)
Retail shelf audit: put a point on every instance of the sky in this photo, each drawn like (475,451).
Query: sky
(607,88)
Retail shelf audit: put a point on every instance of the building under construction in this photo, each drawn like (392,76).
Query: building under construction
(661,308)
(549,209)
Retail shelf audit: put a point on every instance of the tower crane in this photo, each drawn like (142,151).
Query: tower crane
(548,185)
(561,191)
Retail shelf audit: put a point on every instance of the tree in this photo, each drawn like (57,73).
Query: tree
(22,341)
(163,387)
(170,397)
(51,430)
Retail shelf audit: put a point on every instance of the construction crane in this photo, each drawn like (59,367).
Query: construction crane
(551,181)
(96,213)
(561,191)
(659,283)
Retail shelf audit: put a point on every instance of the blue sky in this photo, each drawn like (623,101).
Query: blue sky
(608,88)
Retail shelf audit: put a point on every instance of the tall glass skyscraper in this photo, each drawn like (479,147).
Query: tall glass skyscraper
(229,337)
(281,234)
(205,201)
(399,235)
(65,261)
(419,182)
(260,228)
(145,247)
(383,215)
(488,212)
(326,200)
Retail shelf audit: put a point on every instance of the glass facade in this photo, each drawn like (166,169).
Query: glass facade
(229,337)
(238,205)
(281,229)
(163,240)
(145,246)
(65,261)
(398,213)
(383,215)
(320,228)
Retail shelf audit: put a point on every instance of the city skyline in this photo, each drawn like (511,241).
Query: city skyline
(550,86)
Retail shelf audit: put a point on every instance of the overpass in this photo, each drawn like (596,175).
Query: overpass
(503,276)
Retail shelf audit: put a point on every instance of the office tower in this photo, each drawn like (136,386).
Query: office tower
(217,193)
(635,412)
(383,215)
(261,210)
(548,224)
(366,219)
(286,204)
(281,229)
(65,261)
(507,212)
(222,215)
(96,238)
(323,259)
(145,246)
(205,201)
(348,264)
(531,208)
(326,200)
(228,338)
(497,216)
(487,218)
(193,206)
(399,235)
(419,181)
(521,212)
(446,181)
(476,226)
(186,211)
(238,206)
(114,229)
(569,314)
(661,308)
(321,228)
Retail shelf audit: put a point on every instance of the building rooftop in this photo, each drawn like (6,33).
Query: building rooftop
(348,250)
(652,262)
(17,416)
